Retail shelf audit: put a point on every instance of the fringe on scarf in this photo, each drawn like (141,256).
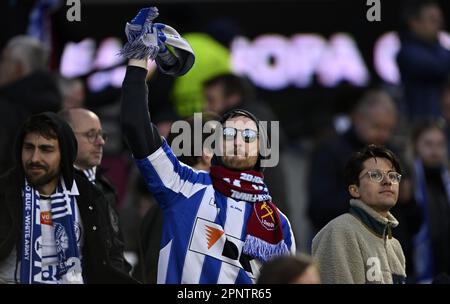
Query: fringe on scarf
(256,247)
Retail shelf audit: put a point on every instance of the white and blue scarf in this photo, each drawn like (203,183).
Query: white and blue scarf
(39,21)
(67,230)
(90,174)
(423,255)
(149,40)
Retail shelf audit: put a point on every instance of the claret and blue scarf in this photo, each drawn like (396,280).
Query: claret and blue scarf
(264,238)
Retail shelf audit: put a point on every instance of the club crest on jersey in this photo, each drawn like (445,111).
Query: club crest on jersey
(209,238)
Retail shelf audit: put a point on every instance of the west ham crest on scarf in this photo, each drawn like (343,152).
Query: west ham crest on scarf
(266,216)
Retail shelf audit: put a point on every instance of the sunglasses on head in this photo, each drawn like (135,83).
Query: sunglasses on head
(248,135)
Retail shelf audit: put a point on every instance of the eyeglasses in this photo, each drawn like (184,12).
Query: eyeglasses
(377,176)
(248,135)
(93,135)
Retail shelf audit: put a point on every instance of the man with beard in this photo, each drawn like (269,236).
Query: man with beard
(42,199)
(218,227)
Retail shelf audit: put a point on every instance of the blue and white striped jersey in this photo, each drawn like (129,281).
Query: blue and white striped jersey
(203,230)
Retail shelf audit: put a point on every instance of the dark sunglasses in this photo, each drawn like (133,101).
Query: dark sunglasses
(248,135)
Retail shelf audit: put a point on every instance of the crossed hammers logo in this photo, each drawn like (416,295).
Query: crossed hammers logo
(269,211)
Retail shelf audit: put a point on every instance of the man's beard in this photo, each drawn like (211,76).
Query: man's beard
(232,162)
(43,179)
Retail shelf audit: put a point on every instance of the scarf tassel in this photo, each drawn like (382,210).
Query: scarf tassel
(138,50)
(256,247)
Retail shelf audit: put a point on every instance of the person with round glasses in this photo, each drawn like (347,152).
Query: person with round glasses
(91,139)
(358,247)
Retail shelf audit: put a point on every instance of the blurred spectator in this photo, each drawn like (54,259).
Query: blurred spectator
(423,62)
(441,279)
(373,122)
(211,58)
(300,269)
(26,87)
(432,194)
(358,247)
(445,103)
(137,204)
(224,30)
(151,225)
(226,92)
(72,91)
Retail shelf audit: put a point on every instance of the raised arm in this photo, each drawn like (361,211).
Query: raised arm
(141,135)
(147,40)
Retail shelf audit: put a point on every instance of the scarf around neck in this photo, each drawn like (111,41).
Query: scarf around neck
(67,234)
(264,234)
(90,174)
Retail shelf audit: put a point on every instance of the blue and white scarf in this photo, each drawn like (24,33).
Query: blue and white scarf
(149,40)
(423,255)
(90,174)
(39,24)
(67,230)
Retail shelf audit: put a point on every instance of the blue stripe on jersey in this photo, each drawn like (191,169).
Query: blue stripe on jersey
(211,266)
(248,211)
(154,183)
(184,217)
(243,278)
(210,270)
(221,202)
(184,171)
(165,195)
(173,275)
(286,231)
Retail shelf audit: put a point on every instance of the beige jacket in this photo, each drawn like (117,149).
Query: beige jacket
(357,247)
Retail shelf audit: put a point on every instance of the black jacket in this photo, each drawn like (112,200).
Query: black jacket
(424,68)
(103,260)
(35,93)
(110,195)
(328,196)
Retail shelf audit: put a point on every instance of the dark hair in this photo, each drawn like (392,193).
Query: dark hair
(355,164)
(233,84)
(423,126)
(192,160)
(42,125)
(413,8)
(284,269)
(51,126)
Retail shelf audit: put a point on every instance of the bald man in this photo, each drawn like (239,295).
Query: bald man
(90,137)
